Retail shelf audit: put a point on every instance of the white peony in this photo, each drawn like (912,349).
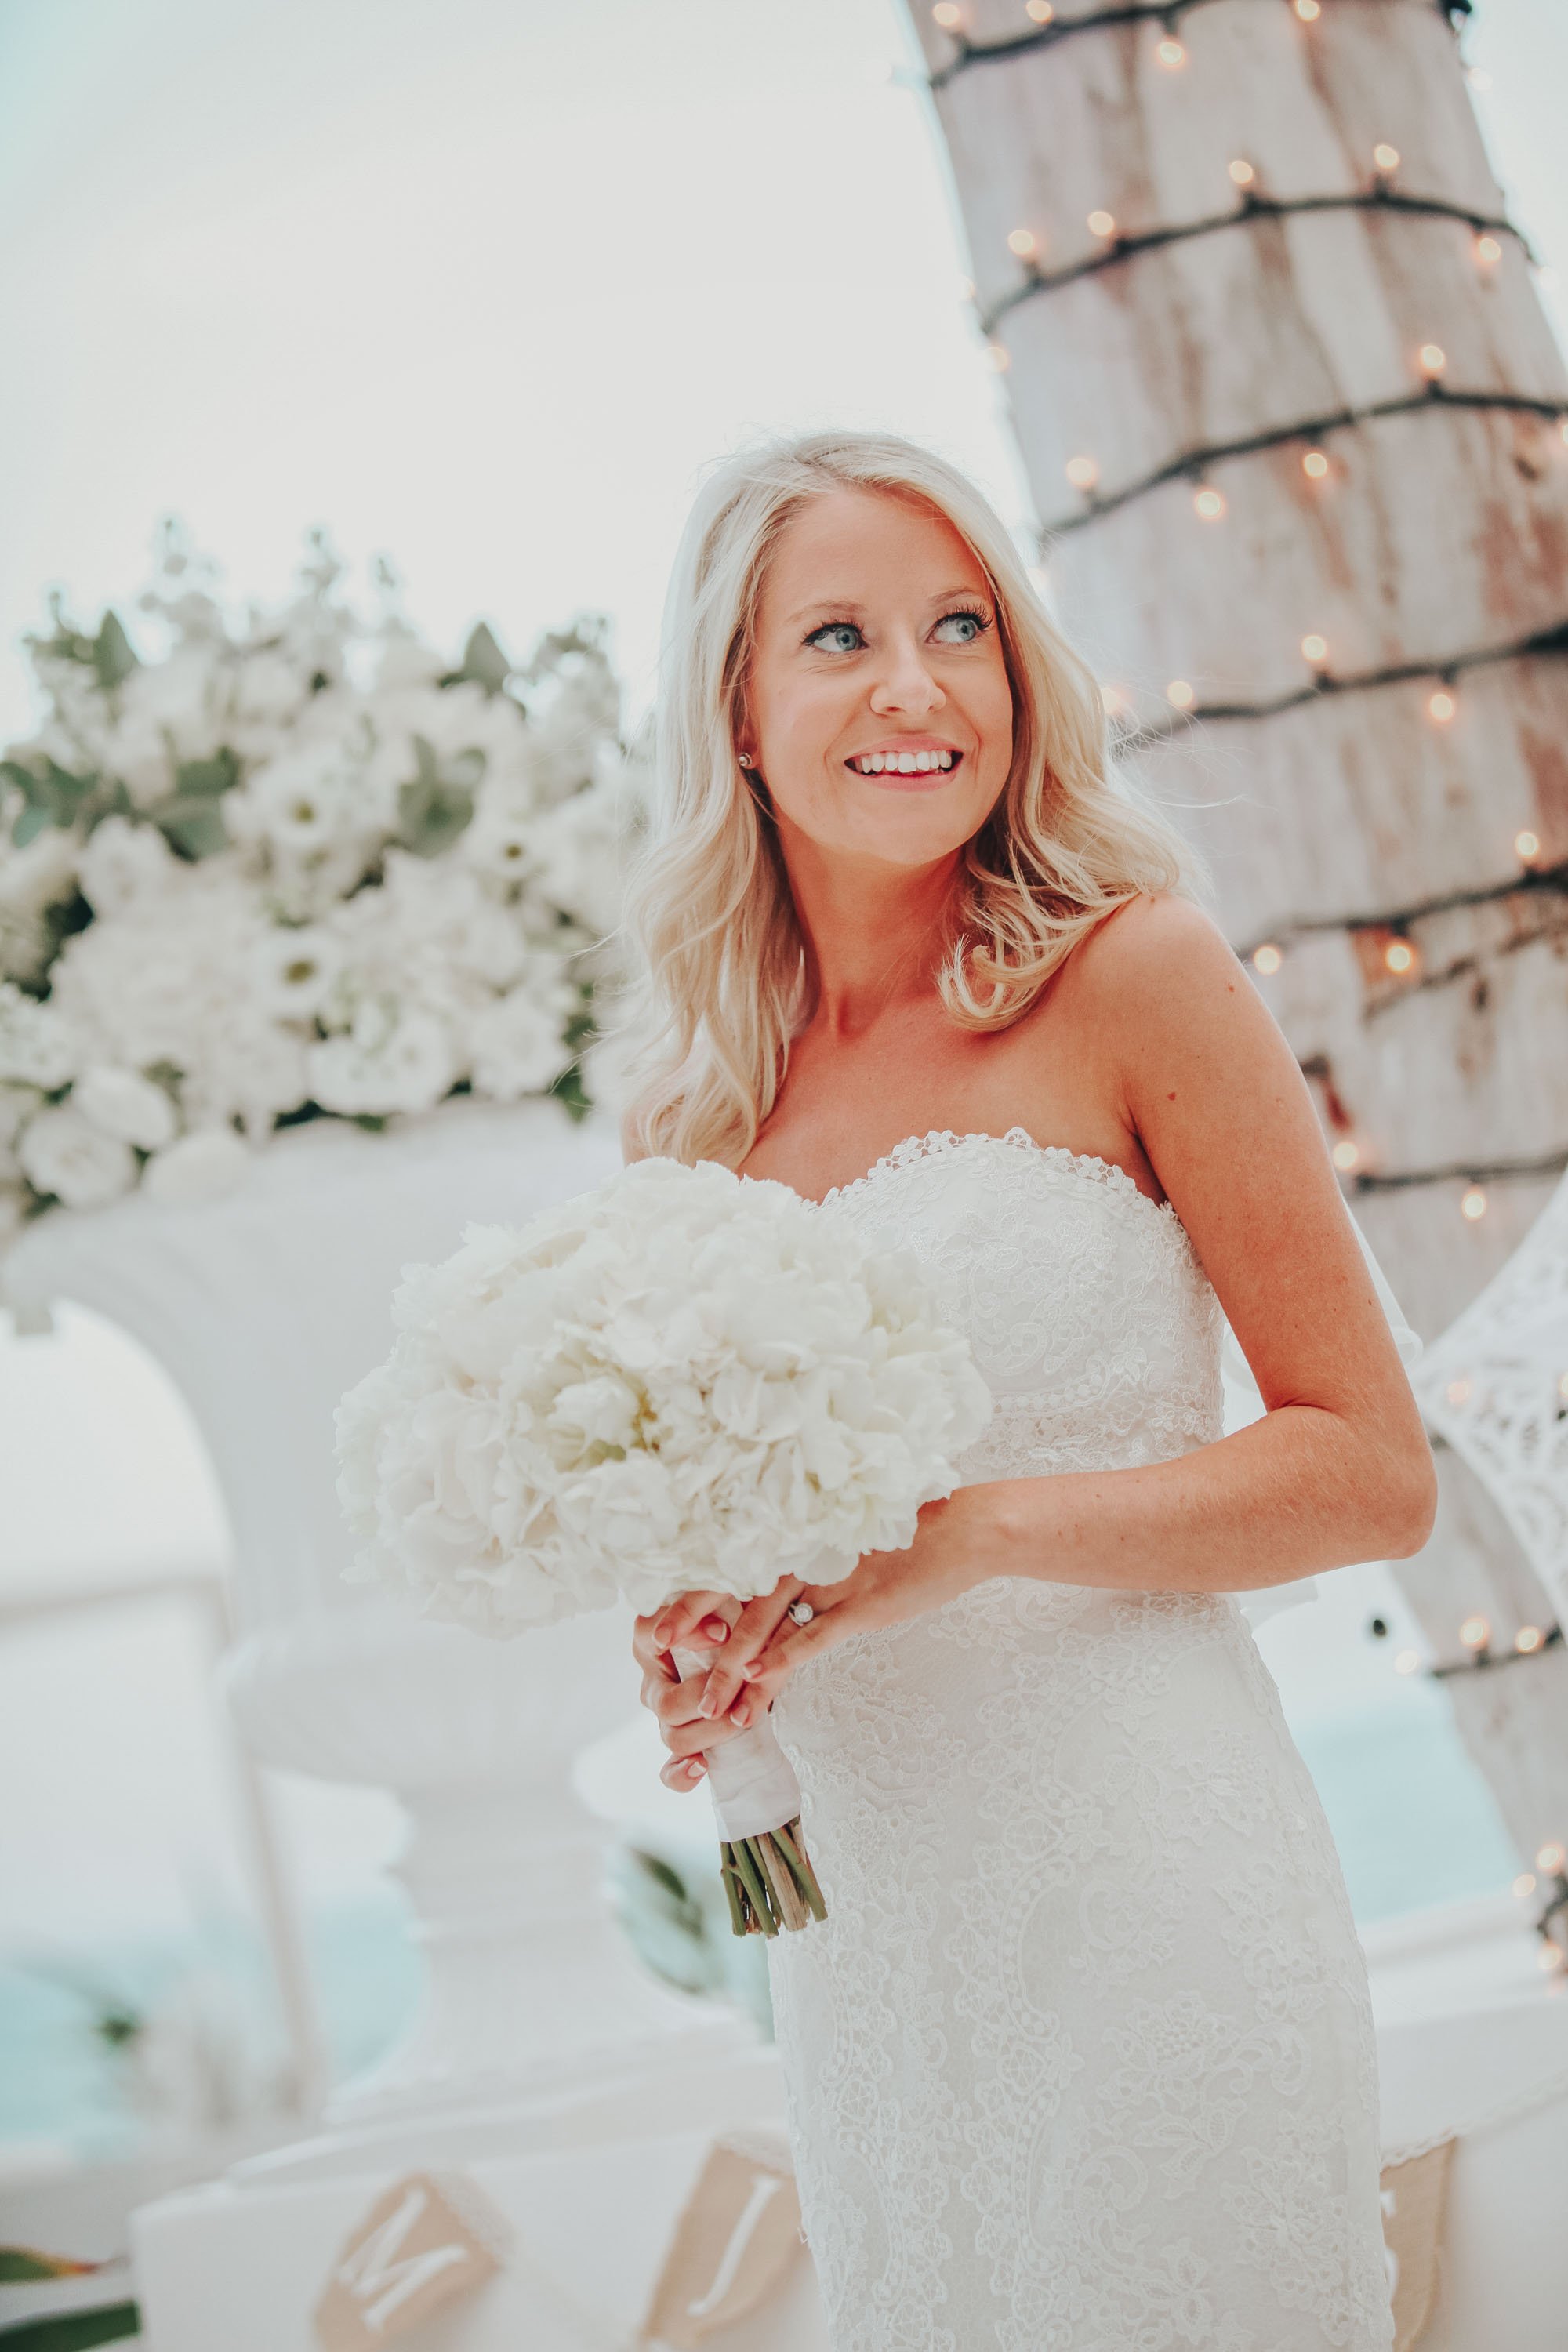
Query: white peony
(685,1379)
(63,1154)
(124,1104)
(515,1043)
(121,861)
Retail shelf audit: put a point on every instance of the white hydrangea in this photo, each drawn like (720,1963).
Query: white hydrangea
(683,1379)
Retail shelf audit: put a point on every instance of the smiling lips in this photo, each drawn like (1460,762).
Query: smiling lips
(906,769)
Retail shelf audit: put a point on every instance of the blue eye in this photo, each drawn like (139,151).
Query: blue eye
(826,625)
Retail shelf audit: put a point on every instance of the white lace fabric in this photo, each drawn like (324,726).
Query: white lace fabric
(1083,2059)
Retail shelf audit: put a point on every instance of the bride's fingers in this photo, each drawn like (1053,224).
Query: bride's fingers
(695,1620)
(682,1772)
(789,1644)
(749,1636)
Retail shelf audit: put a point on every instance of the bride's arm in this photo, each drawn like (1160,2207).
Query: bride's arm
(1337,1470)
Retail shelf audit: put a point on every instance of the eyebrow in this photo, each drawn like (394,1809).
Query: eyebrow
(849,605)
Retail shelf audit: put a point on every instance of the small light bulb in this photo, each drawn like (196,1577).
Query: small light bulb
(1441,706)
(966,290)
(1527,845)
(1475,1632)
(1487,251)
(999,356)
(1386,157)
(1180,693)
(1082,473)
(1041,11)
(1457,1392)
(1552,1959)
(1408,1662)
(1433,359)
(1315,648)
(1551,1860)
(1528,1640)
(1563,1387)
(1346,1154)
(1525,1883)
(1241,172)
(1477,78)
(1399,957)
(1267,959)
(1172,55)
(945,15)
(1210,504)
(1023,242)
(1114,700)
(1103,224)
(1473,1203)
(1309,11)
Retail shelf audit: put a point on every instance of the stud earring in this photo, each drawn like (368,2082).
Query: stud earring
(745,757)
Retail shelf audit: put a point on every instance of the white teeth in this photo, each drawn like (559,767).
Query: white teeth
(905,763)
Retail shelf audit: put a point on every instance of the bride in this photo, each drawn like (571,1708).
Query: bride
(1082,2060)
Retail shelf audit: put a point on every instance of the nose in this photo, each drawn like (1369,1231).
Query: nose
(906,682)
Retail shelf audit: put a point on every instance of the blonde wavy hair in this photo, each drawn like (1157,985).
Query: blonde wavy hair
(720,980)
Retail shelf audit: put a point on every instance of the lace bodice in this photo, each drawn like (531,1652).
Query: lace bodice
(1090,1316)
(1082,2059)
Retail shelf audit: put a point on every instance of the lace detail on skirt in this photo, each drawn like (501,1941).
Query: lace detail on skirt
(1082,2060)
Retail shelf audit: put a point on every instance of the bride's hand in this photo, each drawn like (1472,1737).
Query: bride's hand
(956,1547)
(704,1619)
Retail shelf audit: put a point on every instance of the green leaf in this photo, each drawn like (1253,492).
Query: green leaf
(33,820)
(75,2331)
(194,826)
(112,656)
(207,778)
(431,811)
(483,660)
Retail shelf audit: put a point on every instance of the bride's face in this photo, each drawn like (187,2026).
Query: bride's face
(876,634)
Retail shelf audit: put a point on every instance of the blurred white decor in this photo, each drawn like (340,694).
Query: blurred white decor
(287,865)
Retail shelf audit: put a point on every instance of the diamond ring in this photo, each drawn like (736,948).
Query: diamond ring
(801,1611)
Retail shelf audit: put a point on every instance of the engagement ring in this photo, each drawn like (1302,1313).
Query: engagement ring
(802,1611)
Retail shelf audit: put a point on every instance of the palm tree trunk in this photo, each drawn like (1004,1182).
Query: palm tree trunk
(1292,418)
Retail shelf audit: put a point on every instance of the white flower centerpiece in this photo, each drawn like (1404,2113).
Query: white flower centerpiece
(683,1379)
(287,867)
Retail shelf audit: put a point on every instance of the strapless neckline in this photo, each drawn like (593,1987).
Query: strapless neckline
(939,1140)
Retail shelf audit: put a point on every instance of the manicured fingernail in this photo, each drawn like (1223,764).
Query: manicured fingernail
(715,1629)
(708,1704)
(695,1768)
(753,1670)
(741,1711)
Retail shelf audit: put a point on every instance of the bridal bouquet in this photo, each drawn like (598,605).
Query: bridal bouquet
(683,1381)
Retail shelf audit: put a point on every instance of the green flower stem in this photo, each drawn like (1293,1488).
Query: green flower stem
(792,1845)
(732,1893)
(752,1880)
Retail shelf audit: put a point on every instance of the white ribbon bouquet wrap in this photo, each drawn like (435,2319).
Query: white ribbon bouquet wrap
(683,1381)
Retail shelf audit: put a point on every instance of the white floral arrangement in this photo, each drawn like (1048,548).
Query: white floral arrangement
(291,867)
(684,1379)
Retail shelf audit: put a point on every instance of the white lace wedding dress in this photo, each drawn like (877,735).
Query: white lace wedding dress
(1083,2059)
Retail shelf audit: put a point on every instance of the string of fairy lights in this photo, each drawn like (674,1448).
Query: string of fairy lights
(1386,940)
(1480,1654)
(1044,27)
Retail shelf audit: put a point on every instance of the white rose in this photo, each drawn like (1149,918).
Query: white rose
(39,1046)
(515,1046)
(398,1062)
(200,1167)
(295,968)
(123,861)
(124,1104)
(62,1153)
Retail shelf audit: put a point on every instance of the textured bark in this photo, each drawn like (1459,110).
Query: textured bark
(1333,826)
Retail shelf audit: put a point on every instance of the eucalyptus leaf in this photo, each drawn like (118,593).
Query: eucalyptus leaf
(483,660)
(193,826)
(432,814)
(200,779)
(112,655)
(30,822)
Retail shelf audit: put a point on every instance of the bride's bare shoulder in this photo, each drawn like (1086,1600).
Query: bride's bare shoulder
(1155,952)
